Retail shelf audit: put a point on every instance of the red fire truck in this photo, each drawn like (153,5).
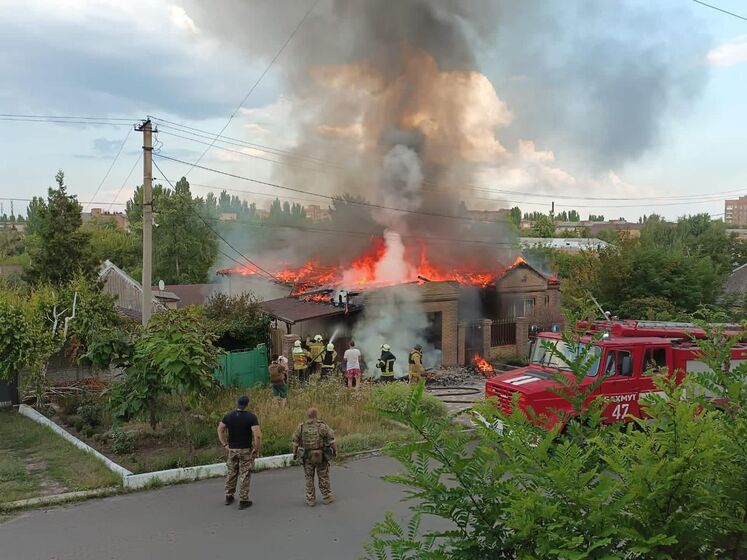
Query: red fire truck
(627,354)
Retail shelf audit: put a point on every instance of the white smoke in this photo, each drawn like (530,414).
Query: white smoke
(395,316)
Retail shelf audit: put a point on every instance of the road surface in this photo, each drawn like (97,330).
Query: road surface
(190,522)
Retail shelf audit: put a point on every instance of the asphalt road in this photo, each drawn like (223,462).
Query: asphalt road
(190,522)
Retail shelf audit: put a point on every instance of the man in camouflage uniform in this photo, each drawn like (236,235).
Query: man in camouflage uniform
(314,444)
(242,446)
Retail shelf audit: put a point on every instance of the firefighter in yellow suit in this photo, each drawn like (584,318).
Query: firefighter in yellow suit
(316,349)
(301,360)
(415,360)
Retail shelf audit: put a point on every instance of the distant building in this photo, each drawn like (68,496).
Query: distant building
(316,213)
(568,244)
(740,234)
(120,218)
(735,211)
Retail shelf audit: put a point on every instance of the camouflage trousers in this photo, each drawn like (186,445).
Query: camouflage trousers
(240,463)
(322,473)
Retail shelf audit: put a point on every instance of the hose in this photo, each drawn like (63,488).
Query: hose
(461,391)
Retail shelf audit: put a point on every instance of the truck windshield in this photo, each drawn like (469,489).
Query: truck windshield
(560,354)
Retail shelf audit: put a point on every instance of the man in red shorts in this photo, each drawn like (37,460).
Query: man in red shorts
(352,358)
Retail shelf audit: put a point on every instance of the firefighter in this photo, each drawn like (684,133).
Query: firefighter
(301,360)
(386,364)
(328,360)
(316,348)
(416,364)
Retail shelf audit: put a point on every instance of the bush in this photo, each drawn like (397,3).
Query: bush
(396,396)
(91,413)
(69,404)
(123,442)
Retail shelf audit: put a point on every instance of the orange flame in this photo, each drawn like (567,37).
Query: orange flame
(361,273)
(482,365)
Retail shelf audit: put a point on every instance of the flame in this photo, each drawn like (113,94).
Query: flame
(361,273)
(482,364)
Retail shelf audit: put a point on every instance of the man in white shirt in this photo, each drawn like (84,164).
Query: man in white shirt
(352,359)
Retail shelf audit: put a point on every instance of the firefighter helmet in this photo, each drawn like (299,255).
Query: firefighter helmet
(330,347)
(386,347)
(297,344)
(318,338)
(418,347)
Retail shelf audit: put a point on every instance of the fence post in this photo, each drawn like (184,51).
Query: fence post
(461,343)
(487,332)
(522,337)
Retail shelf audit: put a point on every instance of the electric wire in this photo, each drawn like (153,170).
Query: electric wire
(121,188)
(247,259)
(327,164)
(116,157)
(720,10)
(258,81)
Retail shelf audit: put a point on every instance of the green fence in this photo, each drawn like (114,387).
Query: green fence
(243,369)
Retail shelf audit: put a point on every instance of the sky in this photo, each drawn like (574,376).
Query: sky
(126,60)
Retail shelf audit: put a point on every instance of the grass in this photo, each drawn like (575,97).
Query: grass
(350,413)
(35,462)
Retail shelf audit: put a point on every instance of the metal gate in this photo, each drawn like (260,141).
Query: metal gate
(473,341)
(244,369)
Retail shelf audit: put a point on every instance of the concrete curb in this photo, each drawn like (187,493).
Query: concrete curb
(186,474)
(41,419)
(59,498)
(133,481)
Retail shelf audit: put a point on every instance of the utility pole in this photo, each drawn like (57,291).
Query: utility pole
(147,305)
(552,211)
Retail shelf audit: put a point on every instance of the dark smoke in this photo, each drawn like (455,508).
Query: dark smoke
(592,80)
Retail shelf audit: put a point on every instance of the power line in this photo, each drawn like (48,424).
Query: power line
(75,117)
(257,82)
(326,164)
(79,201)
(255,265)
(60,121)
(720,10)
(116,157)
(121,188)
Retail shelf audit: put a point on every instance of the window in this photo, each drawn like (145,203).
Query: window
(619,362)
(528,307)
(655,360)
(547,300)
(554,353)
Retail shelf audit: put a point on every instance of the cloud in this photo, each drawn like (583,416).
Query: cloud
(105,147)
(732,52)
(106,57)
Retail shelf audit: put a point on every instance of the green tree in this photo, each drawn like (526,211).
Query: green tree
(109,242)
(596,218)
(515,216)
(58,248)
(174,356)
(184,247)
(544,226)
(237,321)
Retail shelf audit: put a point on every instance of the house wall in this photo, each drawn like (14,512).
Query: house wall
(522,285)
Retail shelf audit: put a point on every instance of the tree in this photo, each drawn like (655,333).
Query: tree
(175,356)
(544,226)
(674,484)
(515,216)
(57,247)
(596,218)
(237,321)
(184,247)
(109,242)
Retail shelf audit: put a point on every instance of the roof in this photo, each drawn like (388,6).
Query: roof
(736,283)
(292,310)
(110,268)
(577,243)
(192,294)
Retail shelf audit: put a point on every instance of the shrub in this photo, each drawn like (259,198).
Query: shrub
(396,396)
(90,412)
(69,404)
(123,442)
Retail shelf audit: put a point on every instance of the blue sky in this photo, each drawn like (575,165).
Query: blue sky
(98,58)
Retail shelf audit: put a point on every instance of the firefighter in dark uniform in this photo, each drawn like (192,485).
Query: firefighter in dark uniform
(329,357)
(386,364)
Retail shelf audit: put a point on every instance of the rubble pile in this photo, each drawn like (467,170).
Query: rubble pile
(455,376)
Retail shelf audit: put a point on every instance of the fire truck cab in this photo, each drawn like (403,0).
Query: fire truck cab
(628,354)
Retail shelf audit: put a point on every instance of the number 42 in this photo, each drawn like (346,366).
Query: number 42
(620,411)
